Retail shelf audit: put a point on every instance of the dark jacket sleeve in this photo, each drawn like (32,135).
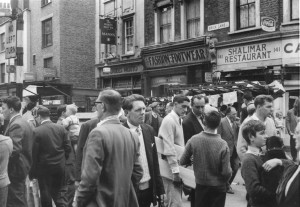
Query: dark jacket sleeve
(35,155)
(66,144)
(188,130)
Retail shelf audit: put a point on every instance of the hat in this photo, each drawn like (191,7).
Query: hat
(154,104)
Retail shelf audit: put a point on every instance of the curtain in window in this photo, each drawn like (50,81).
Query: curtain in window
(129,35)
(247,13)
(165,25)
(193,18)
(294,9)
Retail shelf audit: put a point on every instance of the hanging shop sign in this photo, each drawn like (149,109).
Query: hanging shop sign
(195,55)
(169,80)
(11,40)
(268,24)
(108,28)
(123,69)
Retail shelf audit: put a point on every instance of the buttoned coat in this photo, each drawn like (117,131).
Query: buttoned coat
(228,133)
(110,159)
(191,126)
(20,160)
(151,152)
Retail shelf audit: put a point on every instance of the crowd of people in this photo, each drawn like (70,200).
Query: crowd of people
(112,159)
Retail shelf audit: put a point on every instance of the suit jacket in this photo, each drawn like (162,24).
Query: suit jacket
(228,133)
(20,160)
(148,120)
(151,152)
(110,158)
(291,121)
(85,129)
(191,126)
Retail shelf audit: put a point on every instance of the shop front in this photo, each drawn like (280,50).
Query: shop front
(124,77)
(175,64)
(266,60)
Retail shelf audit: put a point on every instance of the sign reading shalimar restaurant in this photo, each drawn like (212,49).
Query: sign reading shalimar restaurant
(11,40)
(193,55)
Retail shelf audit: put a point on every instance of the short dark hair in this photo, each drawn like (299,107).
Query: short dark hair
(43,111)
(31,105)
(261,99)
(112,100)
(198,96)
(223,108)
(212,119)
(250,128)
(128,101)
(13,102)
(61,109)
(248,96)
(228,110)
(180,99)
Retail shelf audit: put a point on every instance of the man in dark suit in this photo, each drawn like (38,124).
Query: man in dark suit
(20,160)
(228,130)
(50,150)
(193,122)
(151,185)
(153,118)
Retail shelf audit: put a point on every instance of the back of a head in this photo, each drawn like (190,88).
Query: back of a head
(61,109)
(43,111)
(250,109)
(72,108)
(13,102)
(212,119)
(274,147)
(112,100)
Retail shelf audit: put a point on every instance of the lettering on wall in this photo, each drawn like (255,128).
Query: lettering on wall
(123,69)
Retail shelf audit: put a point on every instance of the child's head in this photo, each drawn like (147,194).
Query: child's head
(279,114)
(71,109)
(254,133)
(274,147)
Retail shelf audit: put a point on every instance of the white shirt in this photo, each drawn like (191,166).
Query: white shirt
(143,157)
(253,150)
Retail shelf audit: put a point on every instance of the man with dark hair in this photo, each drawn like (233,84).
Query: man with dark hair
(20,160)
(228,130)
(151,185)
(61,110)
(263,109)
(110,167)
(247,98)
(223,109)
(211,163)
(171,133)
(50,151)
(153,118)
(291,123)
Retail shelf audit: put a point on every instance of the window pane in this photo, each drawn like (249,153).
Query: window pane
(244,16)
(295,9)
(247,14)
(47,32)
(242,2)
(129,35)
(251,15)
(165,25)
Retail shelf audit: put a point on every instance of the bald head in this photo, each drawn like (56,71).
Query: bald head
(112,101)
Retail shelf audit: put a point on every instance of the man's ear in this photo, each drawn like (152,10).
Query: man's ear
(251,138)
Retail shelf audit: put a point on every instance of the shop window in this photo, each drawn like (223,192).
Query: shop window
(294,4)
(45,2)
(47,33)
(129,35)
(165,25)
(2,42)
(48,62)
(2,68)
(193,18)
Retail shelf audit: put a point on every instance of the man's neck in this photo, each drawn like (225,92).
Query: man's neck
(176,113)
(132,123)
(260,117)
(211,131)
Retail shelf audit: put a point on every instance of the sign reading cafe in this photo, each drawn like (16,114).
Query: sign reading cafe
(176,57)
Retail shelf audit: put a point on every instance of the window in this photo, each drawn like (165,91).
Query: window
(45,2)
(193,18)
(245,14)
(2,42)
(48,62)
(33,59)
(47,32)
(2,68)
(294,9)
(129,35)
(165,25)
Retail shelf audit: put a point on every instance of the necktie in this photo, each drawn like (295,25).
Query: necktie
(138,131)
(180,121)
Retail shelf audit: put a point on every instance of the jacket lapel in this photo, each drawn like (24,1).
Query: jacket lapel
(148,146)
(197,125)
(228,126)
(6,133)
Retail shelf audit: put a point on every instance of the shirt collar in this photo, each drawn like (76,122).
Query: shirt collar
(108,119)
(132,126)
(14,117)
(253,150)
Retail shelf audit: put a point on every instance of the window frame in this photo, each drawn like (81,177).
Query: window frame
(192,19)
(2,72)
(169,8)
(238,12)
(45,2)
(132,35)
(291,11)
(45,61)
(2,42)
(45,35)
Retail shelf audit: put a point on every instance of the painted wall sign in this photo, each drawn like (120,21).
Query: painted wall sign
(169,80)
(108,28)
(218,26)
(177,58)
(122,69)
(268,24)
(11,40)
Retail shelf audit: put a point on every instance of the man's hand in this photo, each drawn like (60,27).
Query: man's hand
(270,164)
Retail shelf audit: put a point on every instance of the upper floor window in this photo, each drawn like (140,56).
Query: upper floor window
(2,68)
(2,42)
(129,34)
(193,18)
(48,62)
(165,25)
(294,9)
(47,32)
(45,2)
(246,14)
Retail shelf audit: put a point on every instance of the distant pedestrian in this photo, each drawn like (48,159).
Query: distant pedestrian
(211,163)
(291,123)
(153,118)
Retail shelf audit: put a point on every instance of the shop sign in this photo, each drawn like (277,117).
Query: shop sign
(218,26)
(108,28)
(122,69)
(249,53)
(208,77)
(11,40)
(268,24)
(169,80)
(195,55)
(290,51)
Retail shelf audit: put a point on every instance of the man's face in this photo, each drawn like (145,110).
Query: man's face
(232,115)
(6,111)
(266,109)
(136,115)
(156,109)
(260,139)
(198,106)
(181,108)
